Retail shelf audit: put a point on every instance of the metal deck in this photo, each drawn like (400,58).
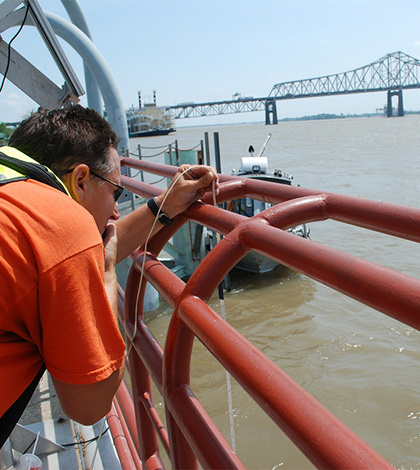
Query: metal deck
(77,445)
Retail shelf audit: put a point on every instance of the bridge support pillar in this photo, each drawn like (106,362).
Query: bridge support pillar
(270,112)
(400,103)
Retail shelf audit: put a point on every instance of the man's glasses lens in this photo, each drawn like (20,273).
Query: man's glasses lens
(118,192)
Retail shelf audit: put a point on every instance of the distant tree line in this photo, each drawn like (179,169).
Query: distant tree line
(337,116)
(328,116)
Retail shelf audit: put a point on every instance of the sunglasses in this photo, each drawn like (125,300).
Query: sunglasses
(117,193)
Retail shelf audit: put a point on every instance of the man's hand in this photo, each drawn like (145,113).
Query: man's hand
(110,244)
(188,185)
(186,188)
(111,284)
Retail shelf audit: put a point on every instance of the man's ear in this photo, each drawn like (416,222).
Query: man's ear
(77,182)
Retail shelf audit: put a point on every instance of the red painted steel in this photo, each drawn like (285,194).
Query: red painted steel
(157,422)
(127,434)
(123,402)
(120,441)
(192,435)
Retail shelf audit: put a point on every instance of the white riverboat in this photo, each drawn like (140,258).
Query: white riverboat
(148,120)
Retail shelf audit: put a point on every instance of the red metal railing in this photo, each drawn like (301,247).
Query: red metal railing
(191,436)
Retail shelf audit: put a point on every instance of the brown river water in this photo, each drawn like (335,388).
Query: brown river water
(360,364)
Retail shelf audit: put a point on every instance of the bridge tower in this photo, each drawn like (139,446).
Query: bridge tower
(270,112)
(400,103)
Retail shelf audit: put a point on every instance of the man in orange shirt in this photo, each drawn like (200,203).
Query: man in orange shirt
(58,287)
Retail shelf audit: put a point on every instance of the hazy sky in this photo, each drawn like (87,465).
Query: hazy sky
(205,50)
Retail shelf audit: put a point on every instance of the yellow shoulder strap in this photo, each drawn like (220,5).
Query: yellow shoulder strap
(24,166)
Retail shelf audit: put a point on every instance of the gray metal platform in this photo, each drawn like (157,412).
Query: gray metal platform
(77,446)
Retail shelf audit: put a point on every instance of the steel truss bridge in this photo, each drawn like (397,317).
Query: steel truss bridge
(392,73)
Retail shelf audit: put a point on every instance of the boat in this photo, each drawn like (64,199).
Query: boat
(257,168)
(149,120)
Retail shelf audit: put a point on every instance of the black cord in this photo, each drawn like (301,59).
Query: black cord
(89,441)
(9,47)
(30,445)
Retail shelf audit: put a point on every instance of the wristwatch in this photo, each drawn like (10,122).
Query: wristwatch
(163,218)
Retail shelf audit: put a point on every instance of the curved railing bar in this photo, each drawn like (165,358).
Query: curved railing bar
(342,208)
(193,318)
(228,344)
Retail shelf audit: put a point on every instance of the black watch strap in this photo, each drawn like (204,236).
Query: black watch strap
(163,218)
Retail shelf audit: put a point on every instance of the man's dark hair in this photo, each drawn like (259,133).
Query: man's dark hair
(60,138)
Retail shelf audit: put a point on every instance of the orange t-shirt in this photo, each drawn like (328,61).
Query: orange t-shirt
(53,303)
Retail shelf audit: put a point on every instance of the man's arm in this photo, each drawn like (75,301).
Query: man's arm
(185,189)
(87,404)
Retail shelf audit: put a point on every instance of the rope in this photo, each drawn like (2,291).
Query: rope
(228,381)
(135,176)
(161,147)
(153,182)
(192,148)
(97,444)
(144,255)
(221,299)
(158,181)
(169,145)
(161,153)
(148,156)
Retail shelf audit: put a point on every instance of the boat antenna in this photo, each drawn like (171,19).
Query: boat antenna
(264,146)
(221,300)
